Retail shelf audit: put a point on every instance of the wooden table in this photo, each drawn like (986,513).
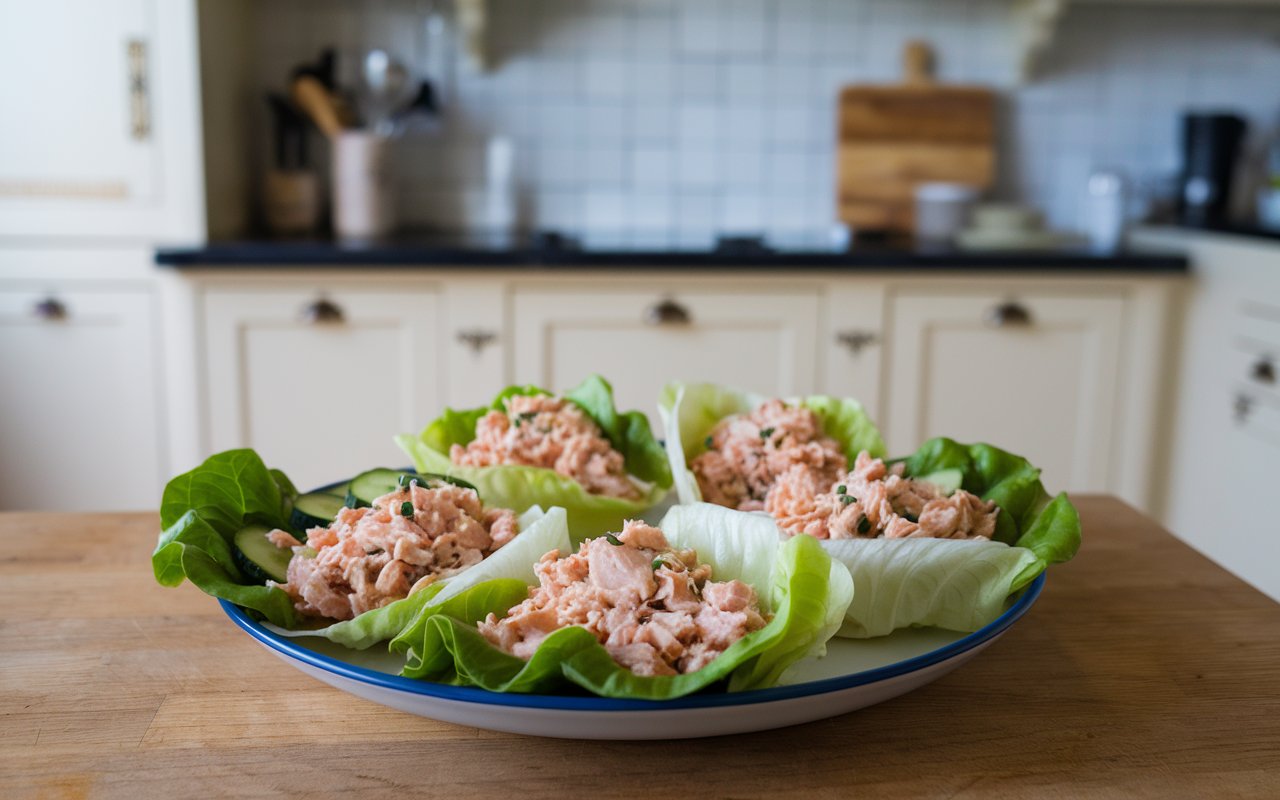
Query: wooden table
(1144,670)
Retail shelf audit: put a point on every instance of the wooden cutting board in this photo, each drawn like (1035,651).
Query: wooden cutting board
(892,138)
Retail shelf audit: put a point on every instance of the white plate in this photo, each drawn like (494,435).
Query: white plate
(854,674)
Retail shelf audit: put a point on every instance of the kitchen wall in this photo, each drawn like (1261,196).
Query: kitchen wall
(674,120)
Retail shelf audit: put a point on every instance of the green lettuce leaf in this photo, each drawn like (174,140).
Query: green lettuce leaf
(520,487)
(540,532)
(805,590)
(689,412)
(960,585)
(201,511)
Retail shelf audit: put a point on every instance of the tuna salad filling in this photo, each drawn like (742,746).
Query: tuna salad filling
(553,433)
(873,501)
(654,609)
(369,557)
(748,453)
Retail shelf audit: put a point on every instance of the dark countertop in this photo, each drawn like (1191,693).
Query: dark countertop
(553,253)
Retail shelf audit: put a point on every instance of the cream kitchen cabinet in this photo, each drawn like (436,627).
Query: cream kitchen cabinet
(80,419)
(1224,453)
(318,378)
(642,335)
(1033,370)
(102,133)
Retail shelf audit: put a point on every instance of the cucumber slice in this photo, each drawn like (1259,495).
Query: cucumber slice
(369,486)
(315,510)
(948,480)
(259,559)
(337,491)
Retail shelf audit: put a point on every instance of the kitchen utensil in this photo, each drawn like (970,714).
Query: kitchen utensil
(1210,147)
(325,70)
(942,210)
(854,674)
(892,138)
(363,194)
(386,88)
(314,99)
(422,113)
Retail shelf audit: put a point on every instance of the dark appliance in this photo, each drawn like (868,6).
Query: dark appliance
(1210,148)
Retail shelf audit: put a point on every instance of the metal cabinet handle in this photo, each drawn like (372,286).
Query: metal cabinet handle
(667,312)
(50,309)
(1242,408)
(139,91)
(322,312)
(1010,314)
(477,340)
(1264,371)
(856,341)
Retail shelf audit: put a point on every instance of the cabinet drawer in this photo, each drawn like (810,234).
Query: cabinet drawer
(80,395)
(1033,372)
(320,382)
(639,339)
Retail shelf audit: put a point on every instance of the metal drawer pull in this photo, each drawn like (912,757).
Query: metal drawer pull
(1010,314)
(667,312)
(1264,371)
(1242,408)
(50,309)
(139,91)
(856,341)
(322,312)
(477,340)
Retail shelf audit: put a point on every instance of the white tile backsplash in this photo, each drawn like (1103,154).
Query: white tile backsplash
(684,118)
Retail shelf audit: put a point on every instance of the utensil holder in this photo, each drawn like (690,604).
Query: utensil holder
(363,195)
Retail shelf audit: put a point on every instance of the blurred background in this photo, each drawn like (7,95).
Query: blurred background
(307,225)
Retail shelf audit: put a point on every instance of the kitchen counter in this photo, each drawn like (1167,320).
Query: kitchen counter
(1144,670)
(556,253)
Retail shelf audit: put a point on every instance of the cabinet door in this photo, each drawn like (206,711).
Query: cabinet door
(320,393)
(93,93)
(79,415)
(640,339)
(1033,373)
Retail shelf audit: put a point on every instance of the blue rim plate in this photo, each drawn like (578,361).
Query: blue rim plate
(291,649)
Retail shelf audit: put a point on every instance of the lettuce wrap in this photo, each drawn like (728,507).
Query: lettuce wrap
(959,585)
(796,581)
(201,511)
(521,487)
(689,412)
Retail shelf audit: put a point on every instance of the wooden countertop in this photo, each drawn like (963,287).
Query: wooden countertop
(1143,670)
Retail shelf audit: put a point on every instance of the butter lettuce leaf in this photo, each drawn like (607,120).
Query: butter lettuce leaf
(806,592)
(689,412)
(200,512)
(521,487)
(960,585)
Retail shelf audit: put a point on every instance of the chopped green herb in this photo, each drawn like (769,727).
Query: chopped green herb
(657,562)
(613,540)
(846,499)
(765,433)
(406,509)
(864,524)
(707,442)
(406,480)
(842,489)
(527,415)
